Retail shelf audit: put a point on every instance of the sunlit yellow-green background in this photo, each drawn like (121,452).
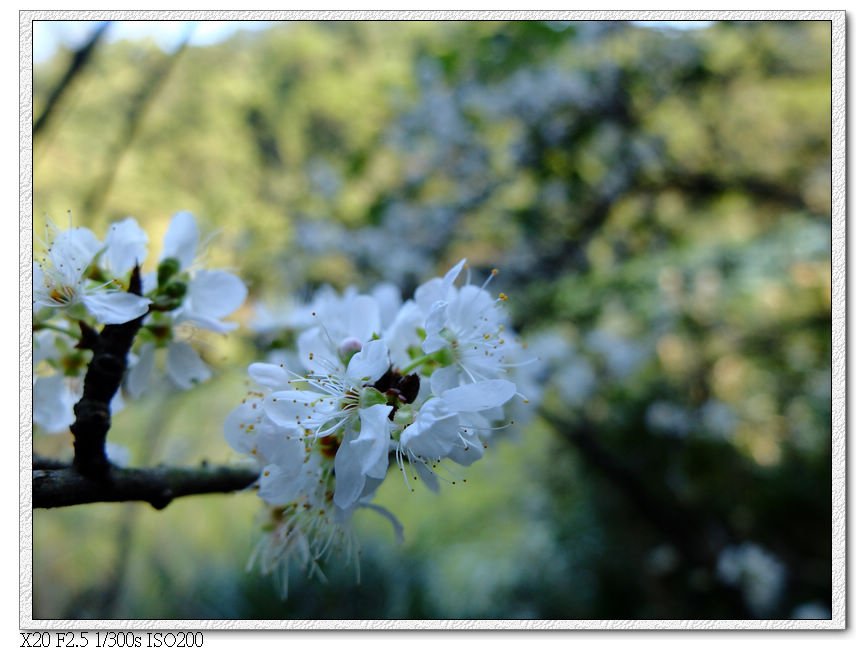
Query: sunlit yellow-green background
(668,186)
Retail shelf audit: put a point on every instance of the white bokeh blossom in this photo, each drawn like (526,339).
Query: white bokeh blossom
(757,572)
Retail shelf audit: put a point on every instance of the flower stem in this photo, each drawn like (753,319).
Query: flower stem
(56,328)
(418,362)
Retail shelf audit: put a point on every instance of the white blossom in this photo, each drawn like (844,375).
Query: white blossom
(421,381)
(61,281)
(54,397)
(125,247)
(206,297)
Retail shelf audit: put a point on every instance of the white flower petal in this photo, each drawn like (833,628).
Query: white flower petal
(115,307)
(277,486)
(470,307)
(374,439)
(214,294)
(181,239)
(443,379)
(118,455)
(403,333)
(435,323)
(434,431)
(204,322)
(429,478)
(437,318)
(41,288)
(148,282)
(350,479)
(184,366)
(370,363)
(72,251)
(480,396)
(45,346)
(467,452)
(279,447)
(370,487)
(139,374)
(363,318)
(126,246)
(315,353)
(299,408)
(117,403)
(429,293)
(388,299)
(432,291)
(269,375)
(241,427)
(52,403)
(433,343)
(451,276)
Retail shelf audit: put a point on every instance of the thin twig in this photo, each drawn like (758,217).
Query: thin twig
(142,101)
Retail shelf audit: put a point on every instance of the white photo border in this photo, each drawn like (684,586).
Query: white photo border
(839,319)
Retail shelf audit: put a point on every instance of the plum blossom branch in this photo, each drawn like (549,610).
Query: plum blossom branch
(80,280)
(64,486)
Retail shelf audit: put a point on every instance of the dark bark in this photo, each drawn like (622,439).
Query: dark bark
(158,486)
(101,382)
(696,534)
(697,537)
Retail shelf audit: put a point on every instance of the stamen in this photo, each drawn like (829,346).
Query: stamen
(489,279)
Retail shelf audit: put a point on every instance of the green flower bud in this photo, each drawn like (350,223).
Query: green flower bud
(166,303)
(175,289)
(167,269)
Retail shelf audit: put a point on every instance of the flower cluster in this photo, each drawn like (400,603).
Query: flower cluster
(375,381)
(82,282)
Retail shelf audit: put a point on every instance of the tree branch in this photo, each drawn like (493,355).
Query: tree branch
(158,486)
(80,59)
(101,382)
(696,538)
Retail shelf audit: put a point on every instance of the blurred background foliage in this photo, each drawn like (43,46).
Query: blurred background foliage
(658,202)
